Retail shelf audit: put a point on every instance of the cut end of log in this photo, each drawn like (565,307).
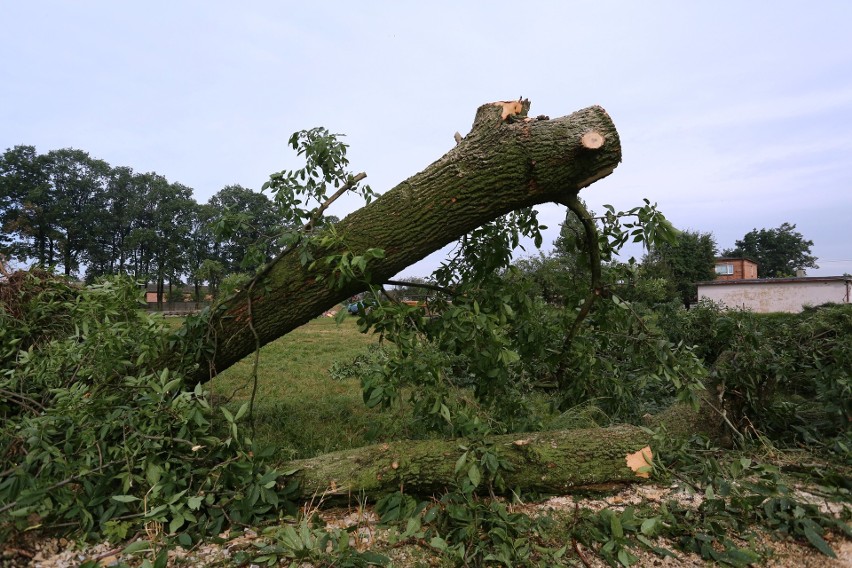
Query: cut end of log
(592,140)
(640,462)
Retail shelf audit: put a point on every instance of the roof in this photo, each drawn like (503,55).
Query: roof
(725,258)
(796,280)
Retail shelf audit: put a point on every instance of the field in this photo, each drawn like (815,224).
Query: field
(299,408)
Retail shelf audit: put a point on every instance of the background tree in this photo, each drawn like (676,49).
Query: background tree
(689,260)
(172,213)
(79,186)
(245,227)
(110,244)
(27,206)
(200,251)
(778,252)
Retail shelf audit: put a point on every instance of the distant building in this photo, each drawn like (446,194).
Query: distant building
(777,294)
(735,269)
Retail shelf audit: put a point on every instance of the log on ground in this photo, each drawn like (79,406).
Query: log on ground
(554,462)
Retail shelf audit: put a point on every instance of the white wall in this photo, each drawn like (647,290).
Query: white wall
(769,296)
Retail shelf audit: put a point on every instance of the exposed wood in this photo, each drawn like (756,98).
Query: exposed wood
(500,166)
(592,140)
(513,108)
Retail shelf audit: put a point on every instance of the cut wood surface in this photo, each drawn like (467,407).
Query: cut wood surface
(500,166)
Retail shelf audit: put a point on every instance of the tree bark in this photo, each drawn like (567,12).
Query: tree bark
(548,462)
(505,163)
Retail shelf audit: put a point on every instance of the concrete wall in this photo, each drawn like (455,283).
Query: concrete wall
(788,295)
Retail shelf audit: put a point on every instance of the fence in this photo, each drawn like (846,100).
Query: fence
(177,308)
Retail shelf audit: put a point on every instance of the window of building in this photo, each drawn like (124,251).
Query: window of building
(724,269)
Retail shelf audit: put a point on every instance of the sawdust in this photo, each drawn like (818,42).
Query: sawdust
(362,522)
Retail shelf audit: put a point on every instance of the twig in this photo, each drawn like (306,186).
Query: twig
(350,183)
(3,270)
(62,483)
(23,401)
(20,552)
(256,362)
(166,438)
(576,206)
(580,553)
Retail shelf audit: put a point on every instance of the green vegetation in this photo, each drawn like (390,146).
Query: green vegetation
(104,436)
(779,252)
(301,410)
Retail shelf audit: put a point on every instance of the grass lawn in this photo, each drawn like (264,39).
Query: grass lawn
(299,408)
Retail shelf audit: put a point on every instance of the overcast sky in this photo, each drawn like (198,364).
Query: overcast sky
(732,115)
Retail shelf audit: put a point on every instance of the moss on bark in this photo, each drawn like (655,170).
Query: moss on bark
(498,167)
(547,462)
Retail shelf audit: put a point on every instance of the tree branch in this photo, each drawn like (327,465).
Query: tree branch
(576,206)
(497,168)
(315,216)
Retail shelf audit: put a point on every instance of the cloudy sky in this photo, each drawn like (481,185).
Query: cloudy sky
(733,115)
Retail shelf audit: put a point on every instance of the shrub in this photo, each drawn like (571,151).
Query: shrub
(100,436)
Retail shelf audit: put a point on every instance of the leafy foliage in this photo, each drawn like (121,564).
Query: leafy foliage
(100,433)
(782,375)
(102,436)
(778,252)
(684,263)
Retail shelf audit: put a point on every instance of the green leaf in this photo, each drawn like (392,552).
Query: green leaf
(162,560)
(460,462)
(125,498)
(438,543)
(242,411)
(648,526)
(138,546)
(176,523)
(625,558)
(445,412)
(172,385)
(374,558)
(818,542)
(615,526)
(474,475)
(228,416)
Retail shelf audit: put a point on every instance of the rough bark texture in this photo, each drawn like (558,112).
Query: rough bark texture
(500,166)
(548,462)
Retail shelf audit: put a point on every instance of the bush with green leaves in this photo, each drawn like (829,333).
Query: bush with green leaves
(101,437)
(491,347)
(32,312)
(788,376)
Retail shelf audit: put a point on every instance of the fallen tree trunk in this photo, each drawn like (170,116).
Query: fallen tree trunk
(502,165)
(547,462)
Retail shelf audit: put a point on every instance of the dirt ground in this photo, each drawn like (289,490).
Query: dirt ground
(61,553)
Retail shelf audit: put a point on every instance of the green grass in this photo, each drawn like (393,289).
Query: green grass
(300,410)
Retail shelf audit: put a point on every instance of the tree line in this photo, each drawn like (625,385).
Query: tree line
(668,271)
(69,210)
